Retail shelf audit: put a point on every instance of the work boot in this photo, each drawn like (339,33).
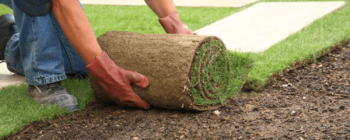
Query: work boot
(53,93)
(7,29)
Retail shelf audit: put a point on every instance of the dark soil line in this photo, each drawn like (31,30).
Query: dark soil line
(307,102)
(256,86)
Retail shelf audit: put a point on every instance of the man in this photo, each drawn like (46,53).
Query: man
(51,39)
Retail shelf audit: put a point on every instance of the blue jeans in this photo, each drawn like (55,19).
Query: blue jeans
(40,51)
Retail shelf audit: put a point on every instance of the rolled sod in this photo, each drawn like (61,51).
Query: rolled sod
(188,72)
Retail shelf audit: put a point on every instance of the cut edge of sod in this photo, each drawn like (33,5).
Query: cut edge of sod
(312,58)
(214,76)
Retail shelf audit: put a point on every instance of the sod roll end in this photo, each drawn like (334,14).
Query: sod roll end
(188,72)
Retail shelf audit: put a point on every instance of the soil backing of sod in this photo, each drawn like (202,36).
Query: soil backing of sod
(188,72)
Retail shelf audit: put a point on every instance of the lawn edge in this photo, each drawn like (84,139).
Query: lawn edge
(259,85)
(53,120)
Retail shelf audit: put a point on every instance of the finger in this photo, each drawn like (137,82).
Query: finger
(135,101)
(138,79)
(133,104)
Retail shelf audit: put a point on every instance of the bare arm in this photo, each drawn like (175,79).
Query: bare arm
(76,28)
(168,16)
(78,31)
(161,8)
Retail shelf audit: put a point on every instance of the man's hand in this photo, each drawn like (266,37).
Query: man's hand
(116,81)
(168,16)
(173,25)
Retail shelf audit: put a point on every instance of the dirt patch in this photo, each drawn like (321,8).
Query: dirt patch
(311,102)
(168,61)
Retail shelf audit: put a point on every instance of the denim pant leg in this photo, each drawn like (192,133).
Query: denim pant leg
(40,51)
(6,2)
(73,63)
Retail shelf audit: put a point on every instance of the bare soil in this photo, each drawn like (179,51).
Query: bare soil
(311,102)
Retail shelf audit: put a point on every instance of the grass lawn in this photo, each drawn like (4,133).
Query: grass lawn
(17,110)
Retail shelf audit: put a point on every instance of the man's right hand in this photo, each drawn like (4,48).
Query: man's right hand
(173,25)
(116,81)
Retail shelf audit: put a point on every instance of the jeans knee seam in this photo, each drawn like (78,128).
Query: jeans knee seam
(36,43)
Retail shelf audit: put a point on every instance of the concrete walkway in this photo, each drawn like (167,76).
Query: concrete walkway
(8,78)
(181,3)
(265,24)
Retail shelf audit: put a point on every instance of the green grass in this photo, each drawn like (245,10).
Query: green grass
(18,110)
(142,19)
(4,9)
(219,78)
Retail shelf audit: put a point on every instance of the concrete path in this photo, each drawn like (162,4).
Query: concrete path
(8,78)
(181,3)
(265,24)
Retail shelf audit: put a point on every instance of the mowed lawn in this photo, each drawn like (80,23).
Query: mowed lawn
(18,110)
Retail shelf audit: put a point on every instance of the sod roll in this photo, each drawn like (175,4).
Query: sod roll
(188,72)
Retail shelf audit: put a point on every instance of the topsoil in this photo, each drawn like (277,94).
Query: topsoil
(310,102)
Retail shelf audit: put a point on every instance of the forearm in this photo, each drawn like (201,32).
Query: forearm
(76,28)
(161,8)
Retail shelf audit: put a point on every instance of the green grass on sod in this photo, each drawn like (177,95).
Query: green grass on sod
(17,110)
(220,79)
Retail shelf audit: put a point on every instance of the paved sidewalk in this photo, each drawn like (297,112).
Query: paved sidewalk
(8,78)
(267,23)
(181,3)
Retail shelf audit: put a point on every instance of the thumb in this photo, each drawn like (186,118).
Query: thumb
(138,79)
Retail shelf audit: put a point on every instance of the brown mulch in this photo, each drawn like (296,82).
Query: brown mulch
(310,102)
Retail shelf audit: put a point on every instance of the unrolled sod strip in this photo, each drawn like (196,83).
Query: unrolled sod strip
(187,72)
